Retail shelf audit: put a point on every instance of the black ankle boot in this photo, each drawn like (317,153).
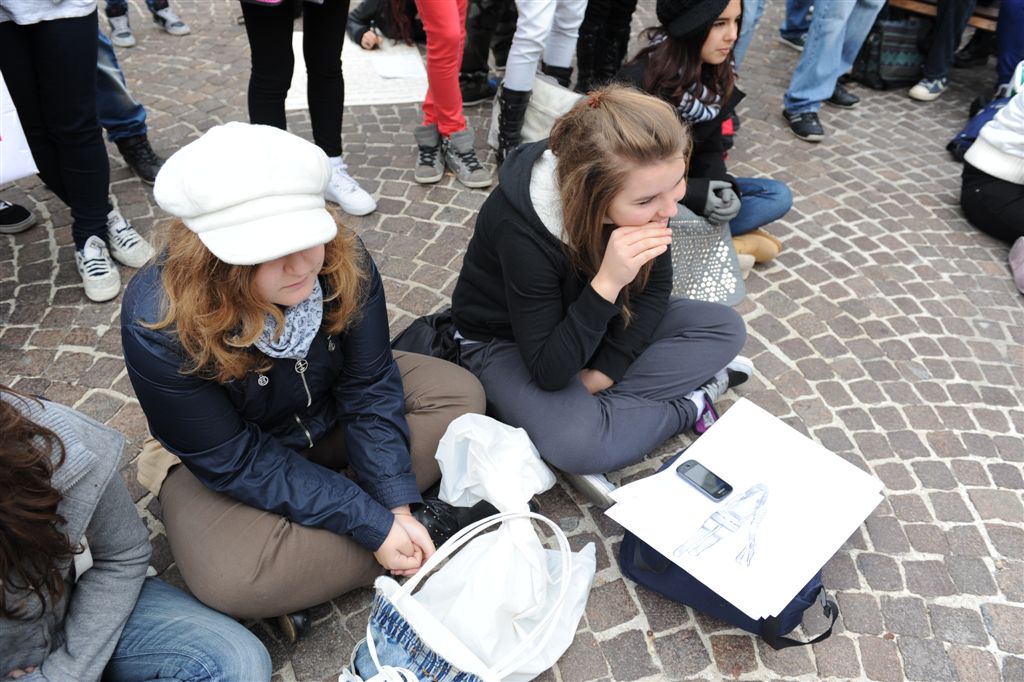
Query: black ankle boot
(442,520)
(510,120)
(140,157)
(294,625)
(562,74)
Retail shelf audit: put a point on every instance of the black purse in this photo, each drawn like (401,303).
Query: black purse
(432,335)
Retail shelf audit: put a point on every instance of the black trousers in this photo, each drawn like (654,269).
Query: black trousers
(994,206)
(270,40)
(50,69)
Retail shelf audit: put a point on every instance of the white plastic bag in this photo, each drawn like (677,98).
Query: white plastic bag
(501,587)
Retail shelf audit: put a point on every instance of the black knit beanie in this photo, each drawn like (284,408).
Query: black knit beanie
(683,17)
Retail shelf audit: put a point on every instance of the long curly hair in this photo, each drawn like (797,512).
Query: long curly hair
(213,310)
(598,143)
(33,549)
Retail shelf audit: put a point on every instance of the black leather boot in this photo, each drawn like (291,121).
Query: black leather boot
(294,625)
(442,520)
(587,57)
(510,120)
(562,74)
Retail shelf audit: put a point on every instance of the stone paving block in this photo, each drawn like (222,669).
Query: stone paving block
(860,612)
(966,540)
(881,659)
(970,575)
(1010,578)
(1013,669)
(906,616)
(1004,505)
(662,613)
(583,660)
(887,535)
(682,653)
(950,507)
(974,664)
(960,625)
(925,659)
(837,657)
(628,657)
(1005,623)
(733,654)
(909,508)
(609,605)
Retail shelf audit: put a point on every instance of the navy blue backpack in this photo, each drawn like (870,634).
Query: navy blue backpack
(644,564)
(959,145)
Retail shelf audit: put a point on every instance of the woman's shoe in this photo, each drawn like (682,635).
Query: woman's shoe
(294,625)
(759,244)
(443,520)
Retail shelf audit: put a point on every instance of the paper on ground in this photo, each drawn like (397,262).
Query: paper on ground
(810,502)
(391,74)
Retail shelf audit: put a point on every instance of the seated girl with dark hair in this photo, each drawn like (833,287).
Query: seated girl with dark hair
(75,602)
(288,442)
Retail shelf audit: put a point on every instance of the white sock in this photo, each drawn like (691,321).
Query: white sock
(698,400)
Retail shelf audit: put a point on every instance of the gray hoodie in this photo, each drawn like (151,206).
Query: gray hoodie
(75,637)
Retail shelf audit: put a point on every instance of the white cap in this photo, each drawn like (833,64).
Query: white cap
(252,193)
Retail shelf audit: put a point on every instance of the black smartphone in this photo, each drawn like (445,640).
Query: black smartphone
(704,480)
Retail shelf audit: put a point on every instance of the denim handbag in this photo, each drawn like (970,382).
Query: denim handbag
(405,641)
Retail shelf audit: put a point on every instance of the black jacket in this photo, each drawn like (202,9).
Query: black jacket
(244,438)
(371,14)
(517,284)
(707,161)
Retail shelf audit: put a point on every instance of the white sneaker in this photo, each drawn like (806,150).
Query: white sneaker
(169,21)
(99,276)
(346,192)
(121,31)
(732,375)
(595,487)
(126,245)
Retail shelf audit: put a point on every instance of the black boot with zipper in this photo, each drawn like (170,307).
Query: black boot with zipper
(562,74)
(510,120)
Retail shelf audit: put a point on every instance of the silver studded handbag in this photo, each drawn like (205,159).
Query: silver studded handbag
(704,262)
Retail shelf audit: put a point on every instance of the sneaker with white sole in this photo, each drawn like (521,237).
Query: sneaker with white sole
(596,488)
(730,376)
(170,22)
(126,245)
(346,192)
(99,276)
(429,162)
(928,89)
(460,157)
(121,31)
(15,218)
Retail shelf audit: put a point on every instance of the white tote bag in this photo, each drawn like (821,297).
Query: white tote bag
(518,648)
(16,160)
(548,101)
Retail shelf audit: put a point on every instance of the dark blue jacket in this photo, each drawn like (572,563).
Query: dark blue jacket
(245,439)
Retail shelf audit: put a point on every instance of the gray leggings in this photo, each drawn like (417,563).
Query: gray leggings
(582,433)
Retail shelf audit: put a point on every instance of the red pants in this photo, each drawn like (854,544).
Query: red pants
(444,22)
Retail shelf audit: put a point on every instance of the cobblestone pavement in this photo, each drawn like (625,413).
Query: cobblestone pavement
(888,330)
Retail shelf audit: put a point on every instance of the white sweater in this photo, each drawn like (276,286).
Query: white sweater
(33,11)
(999,149)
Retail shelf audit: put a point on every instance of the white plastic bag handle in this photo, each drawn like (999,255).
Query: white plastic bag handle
(541,634)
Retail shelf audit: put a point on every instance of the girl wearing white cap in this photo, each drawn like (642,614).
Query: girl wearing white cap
(258,347)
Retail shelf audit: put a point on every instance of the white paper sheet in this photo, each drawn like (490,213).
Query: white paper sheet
(802,503)
(391,74)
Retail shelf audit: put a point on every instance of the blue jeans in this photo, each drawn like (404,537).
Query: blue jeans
(752,11)
(1009,39)
(797,21)
(950,22)
(837,32)
(763,201)
(171,636)
(118,112)
(398,645)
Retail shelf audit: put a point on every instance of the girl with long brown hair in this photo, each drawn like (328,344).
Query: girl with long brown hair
(288,443)
(75,602)
(690,63)
(563,301)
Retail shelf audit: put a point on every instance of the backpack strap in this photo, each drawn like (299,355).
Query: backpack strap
(770,630)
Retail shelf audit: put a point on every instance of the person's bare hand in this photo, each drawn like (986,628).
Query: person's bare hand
(628,249)
(594,380)
(370,40)
(19,672)
(398,553)
(419,536)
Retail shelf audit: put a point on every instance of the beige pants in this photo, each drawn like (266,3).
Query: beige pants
(255,564)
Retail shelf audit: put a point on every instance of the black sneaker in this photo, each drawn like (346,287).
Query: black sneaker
(476,88)
(806,126)
(843,98)
(15,218)
(140,157)
(798,43)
